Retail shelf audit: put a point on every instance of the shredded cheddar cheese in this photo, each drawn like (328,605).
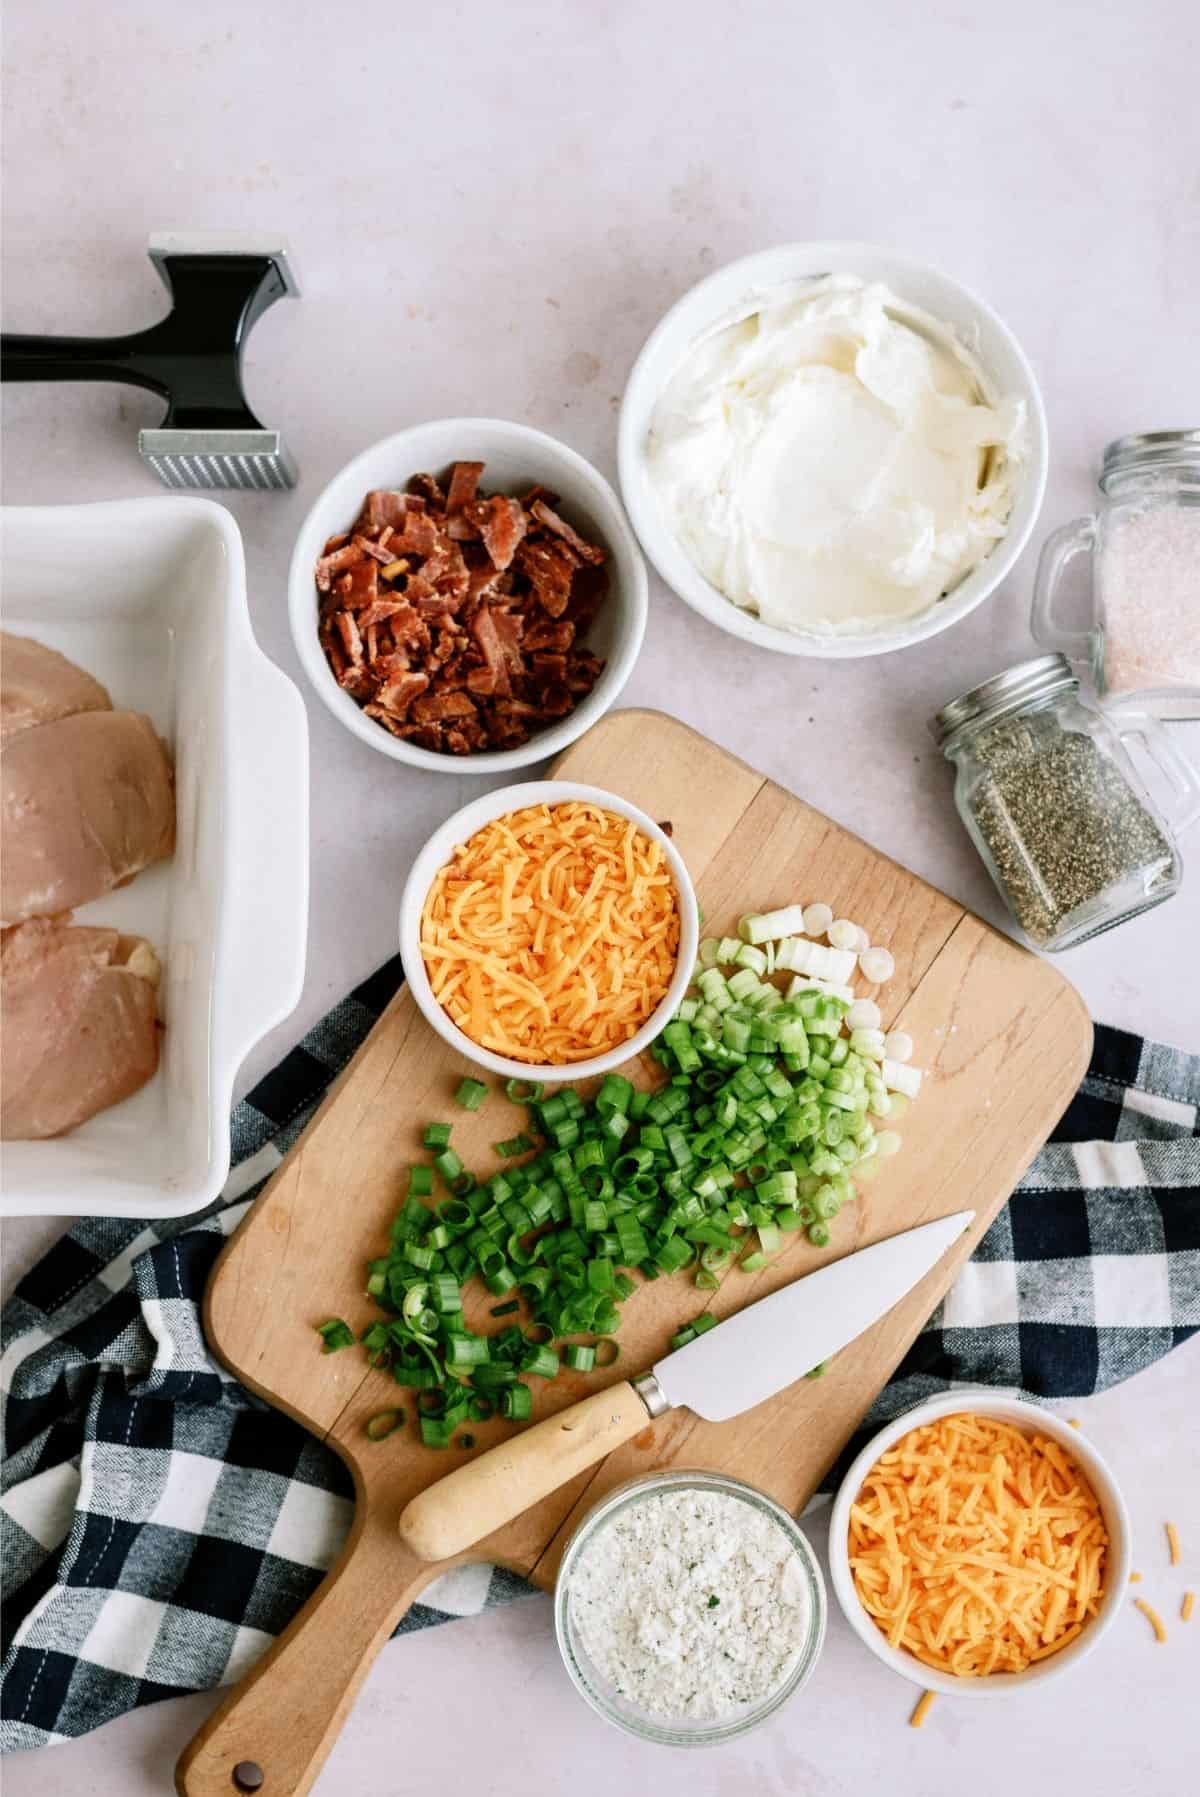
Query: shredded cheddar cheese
(552,934)
(1173,1543)
(976,1547)
(1135,1578)
(1185,1608)
(917,1719)
(1152,1617)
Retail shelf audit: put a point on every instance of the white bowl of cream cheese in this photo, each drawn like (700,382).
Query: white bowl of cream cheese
(830,449)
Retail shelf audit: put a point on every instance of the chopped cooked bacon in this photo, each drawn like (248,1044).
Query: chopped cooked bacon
(455,618)
(331,565)
(485,630)
(589,589)
(398,694)
(379,552)
(358,586)
(501,522)
(464,481)
(558,527)
(351,638)
(550,568)
(435,707)
(484,580)
(427,491)
(419,535)
(511,630)
(386,610)
(543,633)
(380,508)
(536,493)
(446,571)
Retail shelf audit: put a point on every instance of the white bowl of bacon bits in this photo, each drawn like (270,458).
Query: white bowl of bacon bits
(979,1545)
(548,931)
(467,594)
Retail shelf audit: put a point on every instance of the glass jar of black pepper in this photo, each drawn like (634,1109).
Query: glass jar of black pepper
(1053,803)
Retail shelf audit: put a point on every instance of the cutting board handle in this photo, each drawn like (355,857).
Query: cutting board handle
(275,1729)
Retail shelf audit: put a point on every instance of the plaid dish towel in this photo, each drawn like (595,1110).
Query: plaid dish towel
(160,1525)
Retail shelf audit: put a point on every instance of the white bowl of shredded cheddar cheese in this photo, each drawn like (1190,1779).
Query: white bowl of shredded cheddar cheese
(548,931)
(979,1544)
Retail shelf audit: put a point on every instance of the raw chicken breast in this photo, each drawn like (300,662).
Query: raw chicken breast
(85,803)
(38,685)
(80,1031)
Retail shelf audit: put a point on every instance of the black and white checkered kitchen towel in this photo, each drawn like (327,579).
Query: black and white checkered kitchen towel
(160,1525)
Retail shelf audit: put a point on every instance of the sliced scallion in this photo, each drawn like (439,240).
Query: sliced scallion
(335,1334)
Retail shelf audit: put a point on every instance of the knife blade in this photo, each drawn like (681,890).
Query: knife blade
(748,1358)
(780,1338)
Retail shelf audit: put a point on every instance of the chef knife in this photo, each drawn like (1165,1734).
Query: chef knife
(742,1362)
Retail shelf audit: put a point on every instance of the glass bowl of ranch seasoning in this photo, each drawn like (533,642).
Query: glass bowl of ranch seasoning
(1047,790)
(688,1607)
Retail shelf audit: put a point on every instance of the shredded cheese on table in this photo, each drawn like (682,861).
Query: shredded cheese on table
(917,1719)
(552,934)
(1185,1608)
(1152,1617)
(976,1547)
(1173,1543)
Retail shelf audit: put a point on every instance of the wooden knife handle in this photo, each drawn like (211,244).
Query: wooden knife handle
(489,1491)
(272,1733)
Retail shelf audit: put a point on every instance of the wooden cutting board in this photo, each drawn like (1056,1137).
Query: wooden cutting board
(1004,1038)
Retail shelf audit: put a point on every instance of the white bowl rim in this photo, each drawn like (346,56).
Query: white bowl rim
(634,609)
(436,852)
(1023,1411)
(671,560)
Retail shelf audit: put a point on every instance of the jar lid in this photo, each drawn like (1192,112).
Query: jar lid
(1004,693)
(1150,451)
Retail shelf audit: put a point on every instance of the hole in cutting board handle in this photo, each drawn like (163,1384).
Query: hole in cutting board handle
(248,1775)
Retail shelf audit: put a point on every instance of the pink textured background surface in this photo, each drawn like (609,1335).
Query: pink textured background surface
(489,208)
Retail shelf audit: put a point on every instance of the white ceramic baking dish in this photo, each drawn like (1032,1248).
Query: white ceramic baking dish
(149,595)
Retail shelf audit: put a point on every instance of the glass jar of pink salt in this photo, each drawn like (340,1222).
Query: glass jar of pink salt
(1141,639)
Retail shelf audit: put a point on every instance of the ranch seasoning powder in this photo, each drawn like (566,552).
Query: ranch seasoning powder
(1047,793)
(691,1603)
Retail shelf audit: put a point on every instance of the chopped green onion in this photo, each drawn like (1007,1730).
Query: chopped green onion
(335,1334)
(765,1118)
(542,1361)
(516,1402)
(514,1145)
(523,1091)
